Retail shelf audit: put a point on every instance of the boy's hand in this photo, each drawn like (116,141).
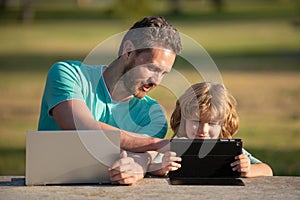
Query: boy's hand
(169,162)
(242,164)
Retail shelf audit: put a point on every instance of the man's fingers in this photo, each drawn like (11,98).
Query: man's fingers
(117,176)
(128,181)
(122,162)
(123,154)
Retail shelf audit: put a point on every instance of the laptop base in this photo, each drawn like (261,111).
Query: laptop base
(207,181)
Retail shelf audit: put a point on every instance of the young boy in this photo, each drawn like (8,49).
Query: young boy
(208,111)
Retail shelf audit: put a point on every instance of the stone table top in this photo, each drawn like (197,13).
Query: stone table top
(276,187)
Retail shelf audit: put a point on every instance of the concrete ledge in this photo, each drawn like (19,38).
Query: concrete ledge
(276,187)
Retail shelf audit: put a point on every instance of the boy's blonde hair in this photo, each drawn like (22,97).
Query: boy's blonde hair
(206,100)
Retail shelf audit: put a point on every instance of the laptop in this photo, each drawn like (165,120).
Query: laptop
(70,157)
(206,162)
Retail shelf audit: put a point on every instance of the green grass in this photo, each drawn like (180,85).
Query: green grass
(282,161)
(269,132)
(12,161)
(237,45)
(257,58)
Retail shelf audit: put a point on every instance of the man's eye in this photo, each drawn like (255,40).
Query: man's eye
(152,68)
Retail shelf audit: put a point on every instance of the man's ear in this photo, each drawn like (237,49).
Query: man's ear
(128,48)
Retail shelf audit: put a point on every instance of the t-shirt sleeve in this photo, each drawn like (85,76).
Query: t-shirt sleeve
(63,83)
(253,160)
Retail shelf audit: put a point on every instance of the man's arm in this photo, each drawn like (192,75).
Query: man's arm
(75,115)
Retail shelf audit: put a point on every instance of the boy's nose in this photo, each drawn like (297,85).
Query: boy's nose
(203,129)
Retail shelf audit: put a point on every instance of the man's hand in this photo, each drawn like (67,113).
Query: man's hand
(126,170)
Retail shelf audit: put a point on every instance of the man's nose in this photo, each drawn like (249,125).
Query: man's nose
(156,78)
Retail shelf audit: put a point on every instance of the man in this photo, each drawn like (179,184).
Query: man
(113,97)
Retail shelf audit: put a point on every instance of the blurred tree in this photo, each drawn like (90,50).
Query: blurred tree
(83,3)
(175,7)
(131,9)
(3,4)
(218,4)
(27,12)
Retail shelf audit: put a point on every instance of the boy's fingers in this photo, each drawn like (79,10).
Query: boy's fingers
(236,168)
(172,168)
(235,163)
(175,164)
(175,159)
(170,153)
(178,159)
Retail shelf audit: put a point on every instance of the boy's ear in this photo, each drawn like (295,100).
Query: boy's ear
(128,47)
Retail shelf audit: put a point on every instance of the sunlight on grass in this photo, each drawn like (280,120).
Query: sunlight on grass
(268,115)
(81,37)
(268,98)
(56,37)
(265,35)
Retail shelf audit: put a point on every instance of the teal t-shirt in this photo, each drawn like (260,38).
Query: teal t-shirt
(75,80)
(253,160)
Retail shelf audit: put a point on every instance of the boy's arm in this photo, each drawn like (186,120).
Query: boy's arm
(242,164)
(259,169)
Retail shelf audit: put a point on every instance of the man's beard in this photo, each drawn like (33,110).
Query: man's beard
(138,93)
(137,88)
(130,85)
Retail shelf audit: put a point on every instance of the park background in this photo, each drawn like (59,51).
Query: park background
(255,45)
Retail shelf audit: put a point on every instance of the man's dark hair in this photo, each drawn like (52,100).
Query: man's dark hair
(153,32)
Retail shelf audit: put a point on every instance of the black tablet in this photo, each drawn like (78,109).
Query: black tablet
(206,161)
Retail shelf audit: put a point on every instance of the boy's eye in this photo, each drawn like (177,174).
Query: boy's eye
(213,123)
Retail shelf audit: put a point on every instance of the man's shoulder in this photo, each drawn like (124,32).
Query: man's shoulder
(69,66)
(65,65)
